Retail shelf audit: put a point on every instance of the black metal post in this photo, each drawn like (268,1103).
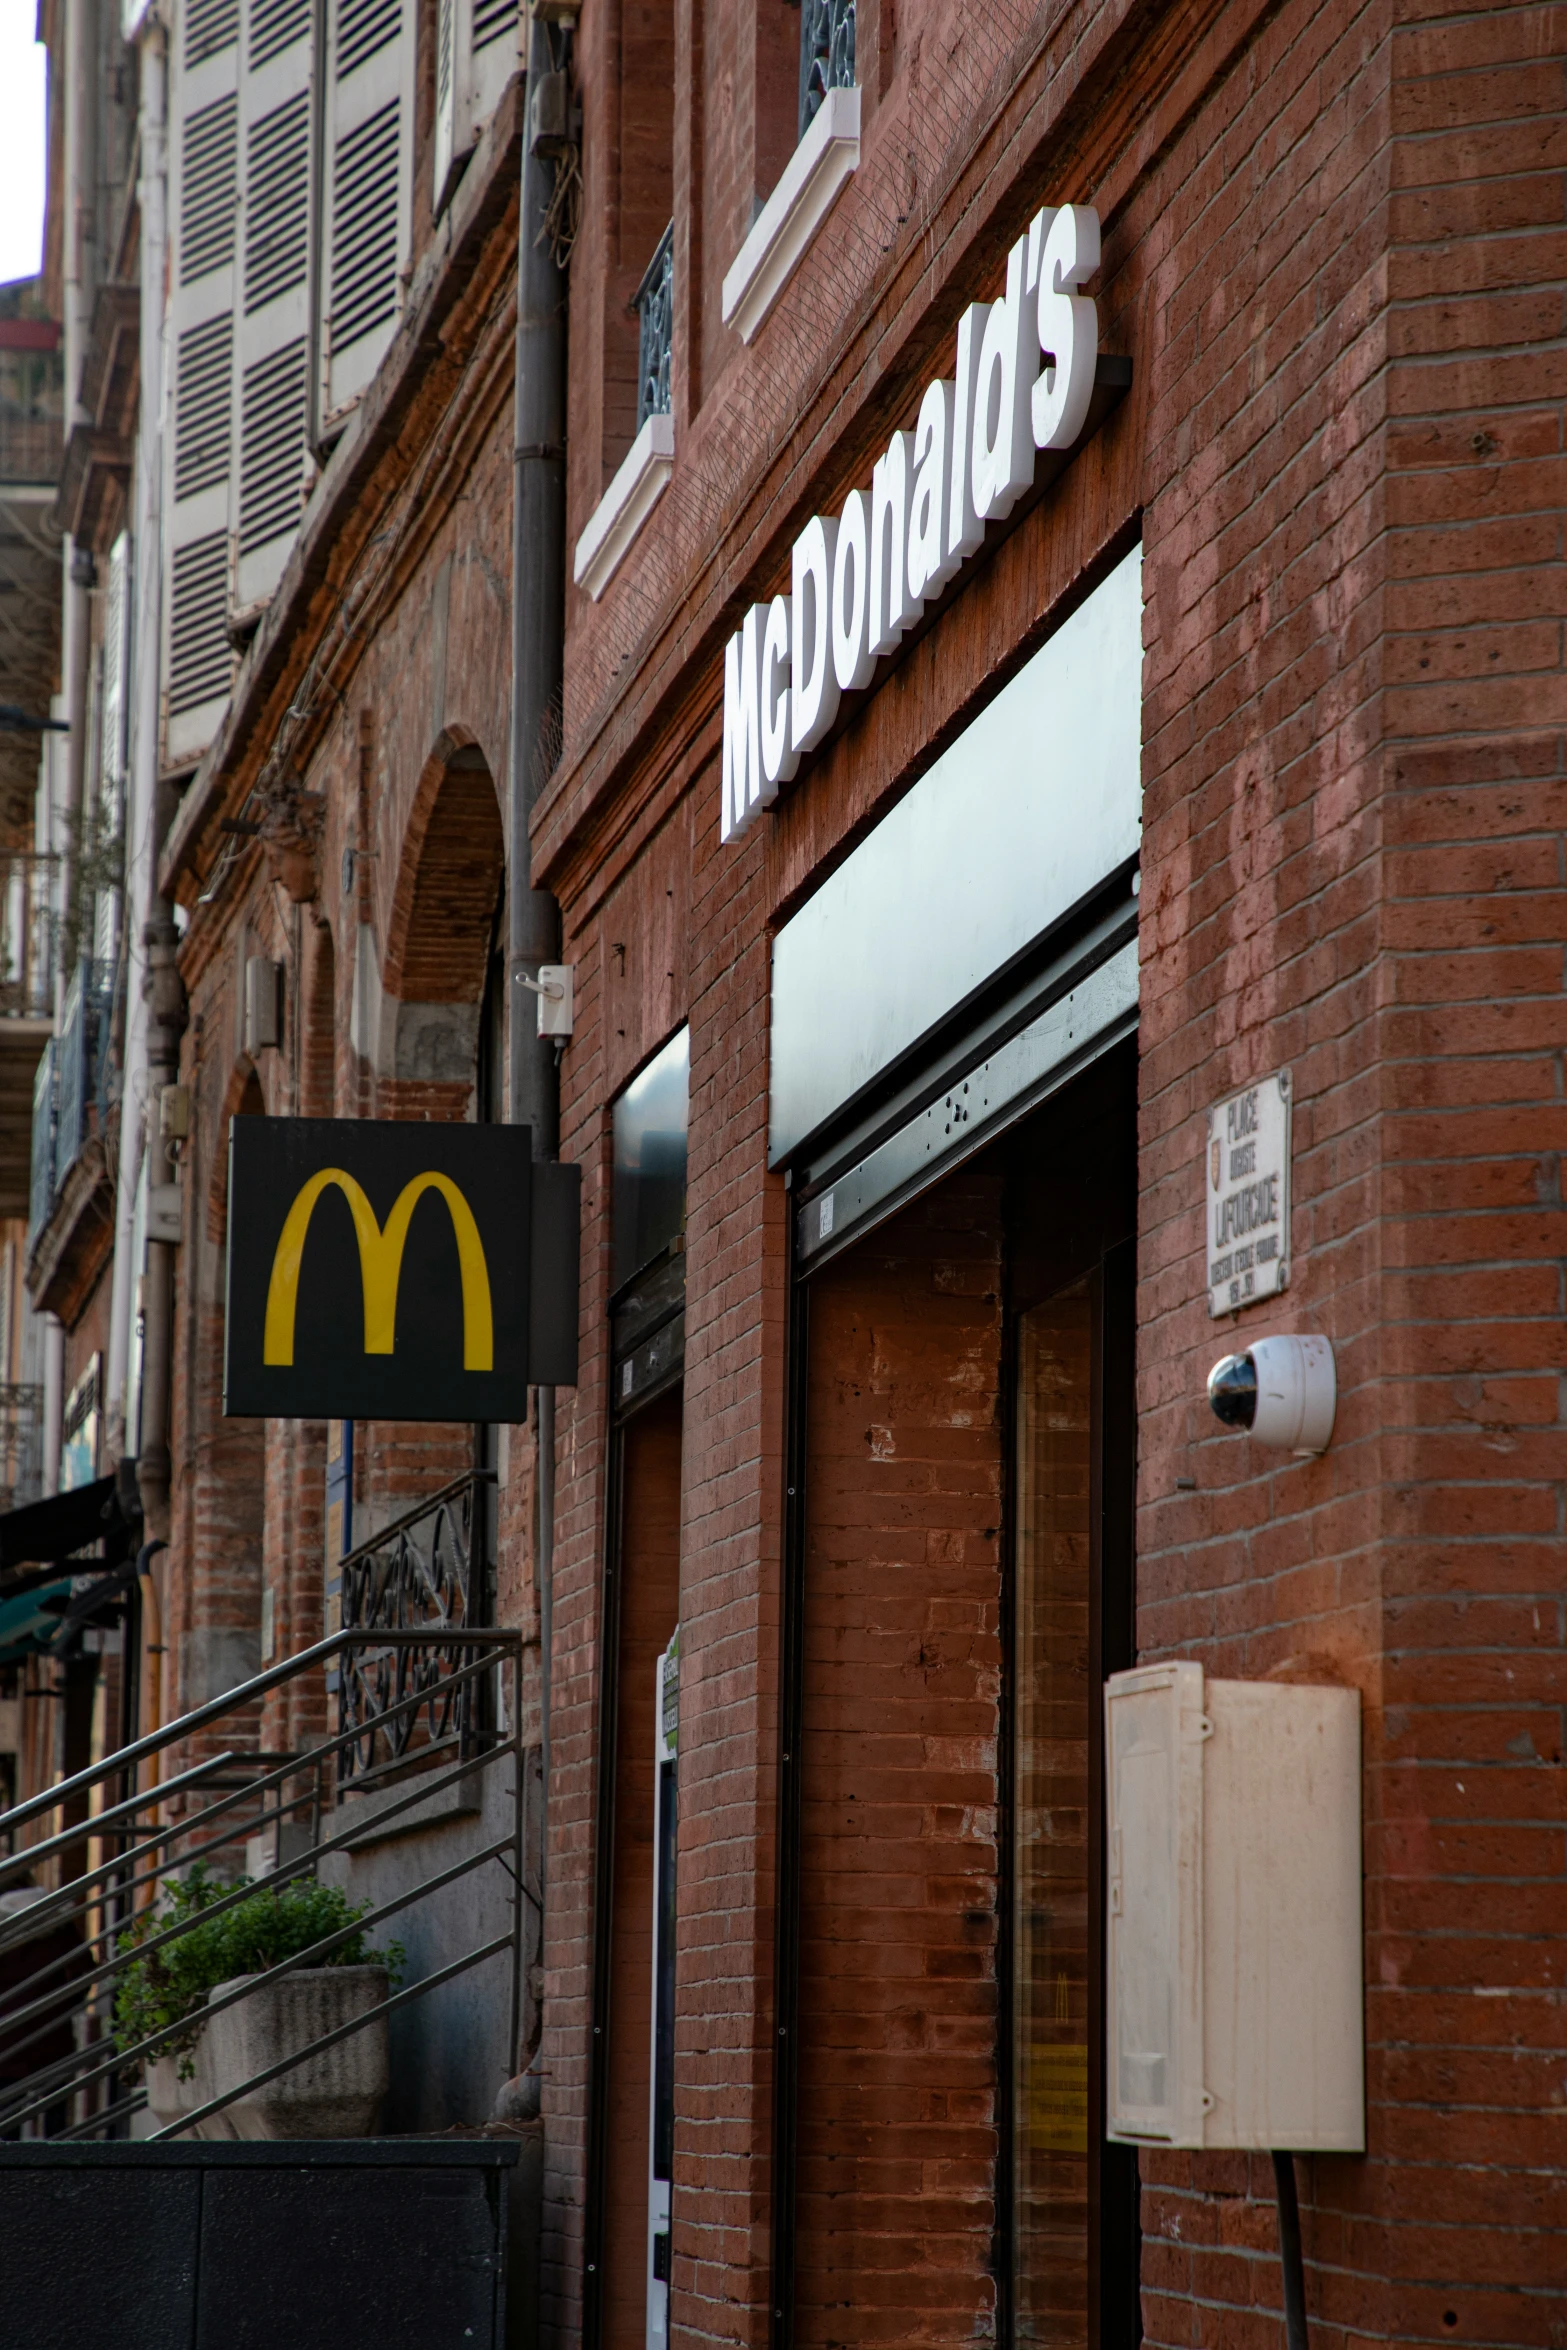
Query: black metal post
(1295,2333)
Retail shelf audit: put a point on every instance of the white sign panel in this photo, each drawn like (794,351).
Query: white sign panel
(1247,1191)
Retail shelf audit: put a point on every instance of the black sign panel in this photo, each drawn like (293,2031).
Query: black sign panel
(378,1270)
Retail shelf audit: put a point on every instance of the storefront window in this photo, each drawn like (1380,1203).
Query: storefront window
(1052,1632)
(650,1159)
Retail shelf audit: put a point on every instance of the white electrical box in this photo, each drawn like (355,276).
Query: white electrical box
(1234,2009)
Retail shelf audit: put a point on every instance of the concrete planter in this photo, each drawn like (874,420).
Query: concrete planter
(169,2098)
(337,2094)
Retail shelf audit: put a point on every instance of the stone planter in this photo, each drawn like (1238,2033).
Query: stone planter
(337,2094)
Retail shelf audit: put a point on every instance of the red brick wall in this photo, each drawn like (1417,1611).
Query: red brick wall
(625,67)
(897,2119)
(648,1571)
(1321,227)
(1354,865)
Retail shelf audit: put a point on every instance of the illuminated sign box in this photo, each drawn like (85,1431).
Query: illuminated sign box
(395,1271)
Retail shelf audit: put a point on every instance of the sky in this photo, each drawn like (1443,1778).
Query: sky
(21,141)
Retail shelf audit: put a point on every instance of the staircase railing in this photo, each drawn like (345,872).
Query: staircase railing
(114,1838)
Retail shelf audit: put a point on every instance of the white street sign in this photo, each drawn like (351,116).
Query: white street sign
(1246,1189)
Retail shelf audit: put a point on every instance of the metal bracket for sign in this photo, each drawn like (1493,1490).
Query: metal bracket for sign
(555,988)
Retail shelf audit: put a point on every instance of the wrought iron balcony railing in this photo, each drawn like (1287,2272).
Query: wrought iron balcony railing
(80,1062)
(27,933)
(655,308)
(40,1198)
(21,1443)
(826,54)
(428,1571)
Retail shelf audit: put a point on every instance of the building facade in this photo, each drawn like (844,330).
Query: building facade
(975,592)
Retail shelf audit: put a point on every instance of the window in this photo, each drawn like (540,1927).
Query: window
(650,1160)
(475,57)
(263,206)
(366,167)
(655,308)
(204,194)
(826,54)
(826,153)
(271,398)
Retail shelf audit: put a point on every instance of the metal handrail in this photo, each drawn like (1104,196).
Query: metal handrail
(412,1518)
(285,1875)
(263,1798)
(259,1685)
(286,2064)
(97,1823)
(151,2042)
(70,1901)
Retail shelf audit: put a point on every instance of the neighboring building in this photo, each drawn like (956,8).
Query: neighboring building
(1010,651)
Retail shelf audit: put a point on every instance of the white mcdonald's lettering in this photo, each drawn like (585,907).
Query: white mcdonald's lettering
(1022,382)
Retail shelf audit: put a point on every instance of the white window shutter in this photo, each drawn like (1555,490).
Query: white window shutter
(366,188)
(495,56)
(198,662)
(116,662)
(448,144)
(271,380)
(476,54)
(112,733)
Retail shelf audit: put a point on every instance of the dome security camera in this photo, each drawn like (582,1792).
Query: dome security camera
(1283,1389)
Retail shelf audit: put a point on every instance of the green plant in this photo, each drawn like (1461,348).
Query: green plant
(171,1984)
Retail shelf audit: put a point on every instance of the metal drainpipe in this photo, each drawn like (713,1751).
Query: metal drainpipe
(81,199)
(167,1013)
(142,791)
(538,636)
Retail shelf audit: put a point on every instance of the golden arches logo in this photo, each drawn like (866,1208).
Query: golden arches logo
(380,1264)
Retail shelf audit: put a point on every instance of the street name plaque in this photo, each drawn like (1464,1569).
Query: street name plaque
(1246,1180)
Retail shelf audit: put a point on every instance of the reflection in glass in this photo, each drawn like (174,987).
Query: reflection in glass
(1052,1574)
(650,1159)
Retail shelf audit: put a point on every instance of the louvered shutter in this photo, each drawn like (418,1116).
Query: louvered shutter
(449,144)
(197,660)
(495,56)
(366,186)
(272,316)
(476,54)
(112,733)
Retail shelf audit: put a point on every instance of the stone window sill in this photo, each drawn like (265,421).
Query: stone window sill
(625,506)
(788,221)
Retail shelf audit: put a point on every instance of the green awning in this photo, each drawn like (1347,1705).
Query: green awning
(28,1623)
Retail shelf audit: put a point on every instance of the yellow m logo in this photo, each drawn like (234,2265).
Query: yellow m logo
(380,1263)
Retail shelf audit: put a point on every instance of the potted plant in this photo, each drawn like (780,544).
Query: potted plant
(336,2094)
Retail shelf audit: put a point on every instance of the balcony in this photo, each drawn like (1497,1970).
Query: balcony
(427,1572)
(71,1194)
(31,443)
(81,1064)
(655,308)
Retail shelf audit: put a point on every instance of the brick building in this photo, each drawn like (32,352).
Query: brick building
(1062,544)
(906,1437)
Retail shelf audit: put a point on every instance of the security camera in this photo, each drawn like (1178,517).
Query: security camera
(1282,1389)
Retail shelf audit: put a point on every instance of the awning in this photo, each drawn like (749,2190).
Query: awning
(30,1622)
(47,1531)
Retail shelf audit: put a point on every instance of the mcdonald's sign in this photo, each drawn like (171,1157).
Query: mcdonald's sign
(387,1270)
